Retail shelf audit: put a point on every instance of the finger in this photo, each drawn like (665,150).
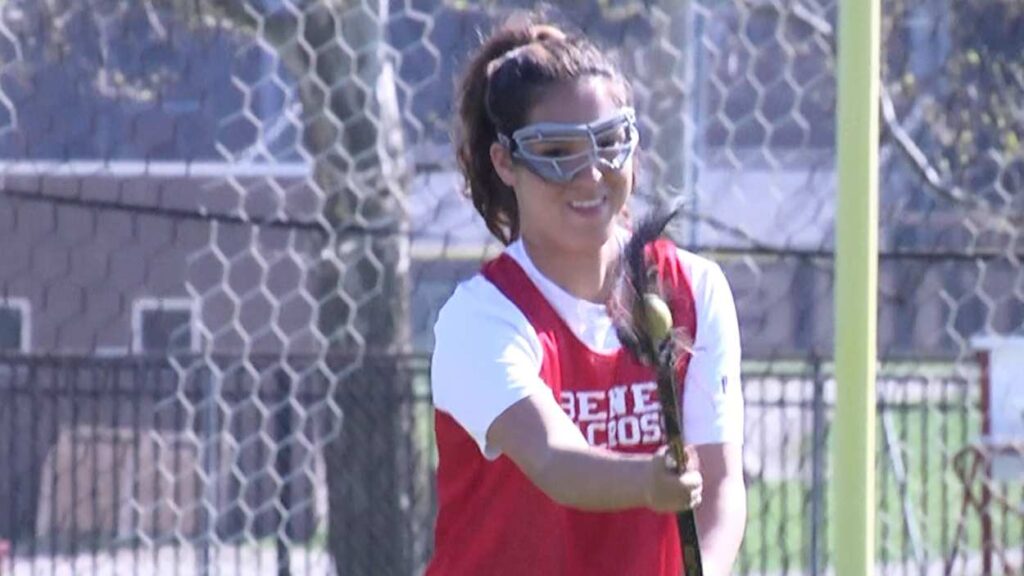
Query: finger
(668,459)
(670,462)
(690,458)
(695,500)
(692,480)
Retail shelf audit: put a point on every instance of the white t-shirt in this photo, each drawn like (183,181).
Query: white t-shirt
(487,356)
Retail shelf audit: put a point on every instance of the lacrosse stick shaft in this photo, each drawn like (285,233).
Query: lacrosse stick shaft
(651,339)
(685,520)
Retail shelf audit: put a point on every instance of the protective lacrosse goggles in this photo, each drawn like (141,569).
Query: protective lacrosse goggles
(557,152)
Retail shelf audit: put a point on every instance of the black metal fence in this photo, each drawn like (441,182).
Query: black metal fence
(107,460)
(107,454)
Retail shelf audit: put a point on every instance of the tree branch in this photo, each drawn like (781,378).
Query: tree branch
(939,184)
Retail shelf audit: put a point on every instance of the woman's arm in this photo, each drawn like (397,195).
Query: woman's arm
(539,437)
(722,516)
(713,418)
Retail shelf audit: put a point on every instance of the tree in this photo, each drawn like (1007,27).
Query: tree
(954,83)
(352,136)
(953,166)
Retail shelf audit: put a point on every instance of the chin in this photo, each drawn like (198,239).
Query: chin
(592,239)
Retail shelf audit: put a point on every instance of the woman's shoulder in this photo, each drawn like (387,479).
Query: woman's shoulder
(477,334)
(476,302)
(705,275)
(702,272)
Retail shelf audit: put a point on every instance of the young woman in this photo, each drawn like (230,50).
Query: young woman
(548,431)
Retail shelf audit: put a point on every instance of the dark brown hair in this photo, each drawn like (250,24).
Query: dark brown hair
(504,80)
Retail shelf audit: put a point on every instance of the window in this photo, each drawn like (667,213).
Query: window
(14,325)
(164,325)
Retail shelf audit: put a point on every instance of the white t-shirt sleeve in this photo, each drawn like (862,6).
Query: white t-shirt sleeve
(712,392)
(486,358)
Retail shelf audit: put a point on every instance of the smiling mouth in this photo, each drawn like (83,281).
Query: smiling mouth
(587,204)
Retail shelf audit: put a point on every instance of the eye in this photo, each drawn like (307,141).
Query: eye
(614,137)
(558,148)
(553,152)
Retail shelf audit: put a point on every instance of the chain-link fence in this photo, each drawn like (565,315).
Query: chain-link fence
(226,229)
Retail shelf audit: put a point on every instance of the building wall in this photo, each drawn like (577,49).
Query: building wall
(83,251)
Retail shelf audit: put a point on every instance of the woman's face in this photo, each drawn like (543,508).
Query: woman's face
(577,215)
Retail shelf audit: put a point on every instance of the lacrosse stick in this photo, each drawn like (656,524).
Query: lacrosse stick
(645,328)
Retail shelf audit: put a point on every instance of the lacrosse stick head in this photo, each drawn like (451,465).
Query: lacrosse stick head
(639,309)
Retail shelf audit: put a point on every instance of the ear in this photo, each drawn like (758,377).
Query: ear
(501,159)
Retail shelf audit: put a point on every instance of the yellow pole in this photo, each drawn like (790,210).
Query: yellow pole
(853,478)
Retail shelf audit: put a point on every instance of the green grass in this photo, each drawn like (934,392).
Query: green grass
(934,491)
(778,528)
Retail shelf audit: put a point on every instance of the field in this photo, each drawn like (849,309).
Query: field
(920,502)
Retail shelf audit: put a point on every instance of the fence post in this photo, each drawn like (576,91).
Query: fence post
(817,468)
(209,391)
(283,467)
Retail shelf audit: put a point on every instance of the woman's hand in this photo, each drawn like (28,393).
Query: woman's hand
(670,490)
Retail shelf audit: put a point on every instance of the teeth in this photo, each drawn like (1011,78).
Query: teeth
(587,203)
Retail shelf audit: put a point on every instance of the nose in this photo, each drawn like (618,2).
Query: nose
(592,174)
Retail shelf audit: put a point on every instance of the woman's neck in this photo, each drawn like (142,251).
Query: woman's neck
(586,274)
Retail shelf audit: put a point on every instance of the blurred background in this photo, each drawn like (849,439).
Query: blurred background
(226,228)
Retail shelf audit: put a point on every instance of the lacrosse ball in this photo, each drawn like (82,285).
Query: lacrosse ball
(658,317)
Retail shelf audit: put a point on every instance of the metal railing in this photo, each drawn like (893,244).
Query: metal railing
(82,435)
